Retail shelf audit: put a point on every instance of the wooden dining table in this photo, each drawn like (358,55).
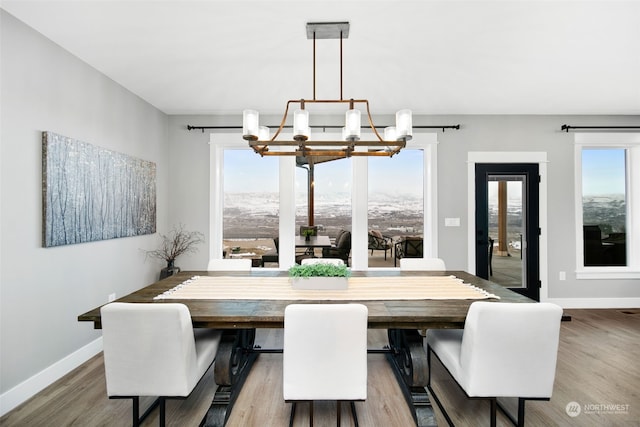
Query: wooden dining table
(405,320)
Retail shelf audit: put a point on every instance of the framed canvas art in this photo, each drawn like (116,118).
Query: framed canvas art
(91,193)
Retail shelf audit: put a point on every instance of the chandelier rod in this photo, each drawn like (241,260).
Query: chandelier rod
(341,66)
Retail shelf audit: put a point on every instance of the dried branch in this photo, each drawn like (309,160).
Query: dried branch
(176,243)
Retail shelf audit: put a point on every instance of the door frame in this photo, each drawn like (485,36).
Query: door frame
(474,157)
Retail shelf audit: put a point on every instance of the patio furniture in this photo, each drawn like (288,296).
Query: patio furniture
(272,256)
(378,242)
(408,247)
(341,249)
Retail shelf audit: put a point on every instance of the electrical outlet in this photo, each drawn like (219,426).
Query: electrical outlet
(112,297)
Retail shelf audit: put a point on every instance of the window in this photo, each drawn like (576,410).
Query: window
(331,191)
(396,203)
(254,197)
(251,202)
(607,208)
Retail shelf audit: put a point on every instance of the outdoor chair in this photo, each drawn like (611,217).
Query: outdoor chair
(378,242)
(324,355)
(152,350)
(341,249)
(505,351)
(272,256)
(408,247)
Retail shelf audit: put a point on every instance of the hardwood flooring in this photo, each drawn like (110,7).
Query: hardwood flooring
(597,366)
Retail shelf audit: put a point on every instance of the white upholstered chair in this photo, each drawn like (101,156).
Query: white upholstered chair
(506,350)
(152,349)
(422,264)
(325,354)
(239,264)
(333,261)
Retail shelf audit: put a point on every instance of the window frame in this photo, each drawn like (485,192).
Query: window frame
(630,142)
(219,142)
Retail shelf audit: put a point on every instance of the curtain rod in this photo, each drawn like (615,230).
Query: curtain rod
(567,128)
(202,128)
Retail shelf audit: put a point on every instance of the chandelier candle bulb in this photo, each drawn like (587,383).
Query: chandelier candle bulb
(250,127)
(263,133)
(352,119)
(301,130)
(404,125)
(390,133)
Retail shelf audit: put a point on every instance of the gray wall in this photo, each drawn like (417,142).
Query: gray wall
(190,151)
(43,290)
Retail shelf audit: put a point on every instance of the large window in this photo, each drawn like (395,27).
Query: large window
(607,186)
(251,203)
(396,204)
(255,199)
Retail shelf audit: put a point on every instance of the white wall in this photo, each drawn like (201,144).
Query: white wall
(43,290)
(478,133)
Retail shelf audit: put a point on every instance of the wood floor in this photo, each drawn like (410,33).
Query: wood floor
(598,365)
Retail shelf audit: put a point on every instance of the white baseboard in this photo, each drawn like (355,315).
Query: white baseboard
(596,302)
(31,386)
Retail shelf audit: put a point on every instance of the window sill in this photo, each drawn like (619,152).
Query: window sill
(608,273)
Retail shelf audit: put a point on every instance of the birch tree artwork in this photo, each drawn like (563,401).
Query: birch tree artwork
(91,193)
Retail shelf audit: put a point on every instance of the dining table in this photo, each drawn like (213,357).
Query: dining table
(405,303)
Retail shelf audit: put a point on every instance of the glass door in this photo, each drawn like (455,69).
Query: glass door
(507,226)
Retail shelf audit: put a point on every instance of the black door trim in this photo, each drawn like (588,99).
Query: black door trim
(532,203)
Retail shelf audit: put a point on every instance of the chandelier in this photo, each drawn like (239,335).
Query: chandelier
(394,138)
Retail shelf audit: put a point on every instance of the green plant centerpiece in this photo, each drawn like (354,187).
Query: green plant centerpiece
(307,234)
(319,276)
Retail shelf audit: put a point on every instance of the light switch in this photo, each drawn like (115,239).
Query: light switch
(452,222)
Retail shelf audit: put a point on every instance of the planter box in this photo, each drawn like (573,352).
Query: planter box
(319,283)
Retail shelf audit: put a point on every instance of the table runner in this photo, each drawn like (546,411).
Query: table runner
(360,289)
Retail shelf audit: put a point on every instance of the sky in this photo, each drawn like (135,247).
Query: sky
(401,174)
(603,171)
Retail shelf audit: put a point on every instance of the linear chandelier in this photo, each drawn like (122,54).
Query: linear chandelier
(393,140)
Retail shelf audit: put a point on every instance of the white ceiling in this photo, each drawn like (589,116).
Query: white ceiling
(434,57)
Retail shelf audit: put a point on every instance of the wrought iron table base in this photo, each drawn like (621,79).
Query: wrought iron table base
(237,354)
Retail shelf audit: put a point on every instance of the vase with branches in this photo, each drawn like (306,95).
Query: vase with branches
(177,242)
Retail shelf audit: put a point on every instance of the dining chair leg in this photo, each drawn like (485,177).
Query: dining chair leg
(354,413)
(521,402)
(493,412)
(136,411)
(293,413)
(339,410)
(311,414)
(162,402)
